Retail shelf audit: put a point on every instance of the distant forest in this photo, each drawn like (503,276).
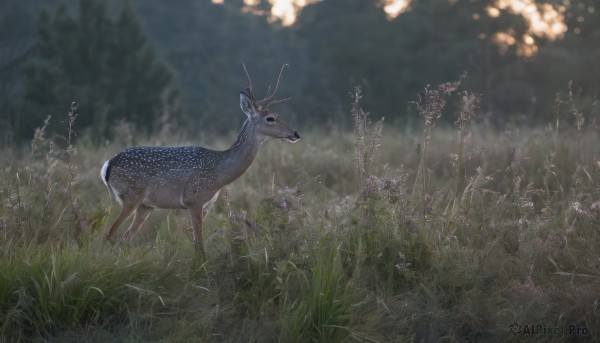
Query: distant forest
(152,63)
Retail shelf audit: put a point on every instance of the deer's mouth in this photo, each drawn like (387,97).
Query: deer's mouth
(293,138)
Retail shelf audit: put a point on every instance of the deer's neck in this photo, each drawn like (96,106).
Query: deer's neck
(240,156)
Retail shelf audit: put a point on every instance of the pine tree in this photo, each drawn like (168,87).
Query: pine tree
(103,62)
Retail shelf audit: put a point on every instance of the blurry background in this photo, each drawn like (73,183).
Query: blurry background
(153,64)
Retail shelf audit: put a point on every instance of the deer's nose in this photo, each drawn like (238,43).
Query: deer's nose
(296,135)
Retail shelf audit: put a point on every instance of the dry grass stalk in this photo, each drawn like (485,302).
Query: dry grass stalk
(468,108)
(39,135)
(70,151)
(367,138)
(430,106)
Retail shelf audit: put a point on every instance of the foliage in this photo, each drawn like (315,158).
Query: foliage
(432,42)
(103,63)
(569,59)
(333,46)
(207,43)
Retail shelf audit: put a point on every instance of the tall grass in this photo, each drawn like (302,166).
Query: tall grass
(342,237)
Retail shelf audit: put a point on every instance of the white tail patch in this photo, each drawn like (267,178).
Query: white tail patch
(103,175)
(103,172)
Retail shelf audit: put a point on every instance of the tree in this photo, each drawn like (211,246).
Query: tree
(430,43)
(349,40)
(17,39)
(573,57)
(103,63)
(206,44)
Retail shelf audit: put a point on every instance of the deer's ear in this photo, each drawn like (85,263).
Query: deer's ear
(247,105)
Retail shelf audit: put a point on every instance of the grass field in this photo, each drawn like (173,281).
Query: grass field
(455,233)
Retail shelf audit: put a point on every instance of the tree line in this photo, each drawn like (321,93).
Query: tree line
(151,62)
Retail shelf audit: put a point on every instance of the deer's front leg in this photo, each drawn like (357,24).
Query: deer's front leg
(196,217)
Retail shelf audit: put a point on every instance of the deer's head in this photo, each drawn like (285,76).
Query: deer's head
(268,123)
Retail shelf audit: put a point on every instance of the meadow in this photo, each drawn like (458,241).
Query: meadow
(453,232)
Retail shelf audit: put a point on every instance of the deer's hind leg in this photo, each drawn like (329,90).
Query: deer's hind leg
(141,214)
(126,211)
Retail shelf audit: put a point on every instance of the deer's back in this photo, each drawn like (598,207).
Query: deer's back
(162,161)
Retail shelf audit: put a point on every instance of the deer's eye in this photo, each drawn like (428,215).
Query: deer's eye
(270,119)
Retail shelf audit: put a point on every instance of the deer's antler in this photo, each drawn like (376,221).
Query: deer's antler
(249,88)
(269,98)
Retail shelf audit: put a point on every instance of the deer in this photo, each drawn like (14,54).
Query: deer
(143,178)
